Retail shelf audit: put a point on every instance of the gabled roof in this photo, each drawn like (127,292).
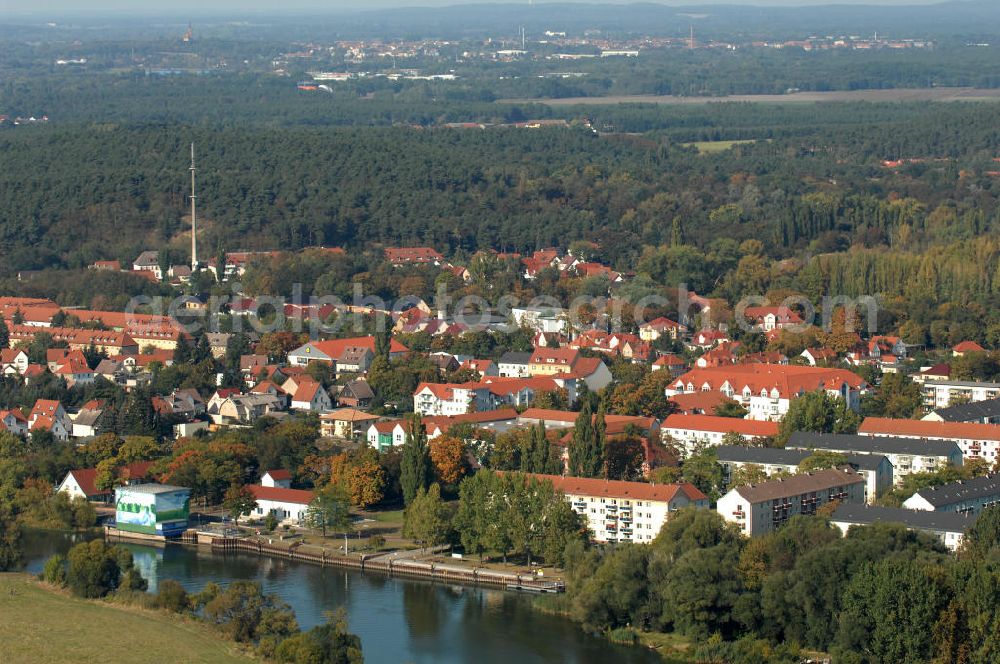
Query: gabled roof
(929,429)
(280,495)
(581,486)
(789,380)
(798,484)
(842,442)
(514,357)
(334,348)
(788,457)
(86,477)
(968,347)
(716,424)
(951,522)
(961,491)
(970,412)
(279,474)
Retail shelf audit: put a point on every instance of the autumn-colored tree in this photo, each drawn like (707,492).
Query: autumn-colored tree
(449,459)
(361,476)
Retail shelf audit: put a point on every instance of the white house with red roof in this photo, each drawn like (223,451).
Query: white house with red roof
(331,350)
(766,319)
(660,327)
(617,511)
(49,408)
(278,477)
(288,505)
(964,347)
(386,435)
(694,432)
(708,338)
(13,361)
(766,390)
(310,395)
(82,482)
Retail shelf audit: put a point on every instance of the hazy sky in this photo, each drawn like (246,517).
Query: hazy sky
(237,6)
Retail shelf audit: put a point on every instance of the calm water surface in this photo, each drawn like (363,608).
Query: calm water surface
(397,620)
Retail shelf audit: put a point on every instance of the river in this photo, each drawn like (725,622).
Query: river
(398,620)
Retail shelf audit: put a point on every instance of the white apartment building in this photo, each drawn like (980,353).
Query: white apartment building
(974,440)
(763,508)
(618,511)
(875,468)
(966,496)
(907,455)
(939,393)
(949,527)
(691,432)
(766,390)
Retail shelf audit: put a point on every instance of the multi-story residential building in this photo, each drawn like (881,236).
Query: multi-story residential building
(488,394)
(975,440)
(766,390)
(949,527)
(970,496)
(619,511)
(762,508)
(691,432)
(907,455)
(980,412)
(515,365)
(112,343)
(875,468)
(940,393)
(766,319)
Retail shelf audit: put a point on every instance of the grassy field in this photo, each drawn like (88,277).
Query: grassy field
(38,625)
(712,147)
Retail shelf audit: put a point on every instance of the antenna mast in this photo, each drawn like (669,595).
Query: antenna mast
(194,219)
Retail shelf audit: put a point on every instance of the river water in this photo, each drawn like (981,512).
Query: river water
(398,620)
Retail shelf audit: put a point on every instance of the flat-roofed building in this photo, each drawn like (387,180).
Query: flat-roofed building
(763,508)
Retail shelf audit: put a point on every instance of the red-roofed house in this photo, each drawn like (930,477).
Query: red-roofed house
(386,435)
(288,505)
(279,477)
(400,256)
(692,432)
(772,318)
(964,347)
(617,511)
(766,390)
(331,350)
(13,361)
(82,482)
(14,421)
(660,327)
(310,395)
(675,364)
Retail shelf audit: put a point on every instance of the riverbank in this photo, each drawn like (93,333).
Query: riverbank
(39,625)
